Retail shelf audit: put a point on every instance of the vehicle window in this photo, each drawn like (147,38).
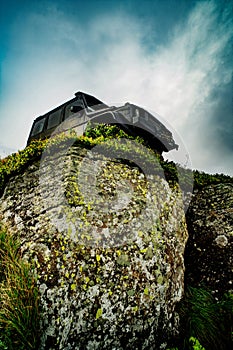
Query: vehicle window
(94,102)
(54,119)
(38,127)
(78,104)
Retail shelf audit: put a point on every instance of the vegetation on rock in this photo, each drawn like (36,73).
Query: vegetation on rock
(206,322)
(17,162)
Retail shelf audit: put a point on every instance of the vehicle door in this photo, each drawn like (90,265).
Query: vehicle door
(75,116)
(54,119)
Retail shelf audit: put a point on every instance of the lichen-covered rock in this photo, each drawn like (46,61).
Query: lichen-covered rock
(108,250)
(209,250)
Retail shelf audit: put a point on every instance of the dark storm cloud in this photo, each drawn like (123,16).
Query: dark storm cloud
(222,115)
(221,95)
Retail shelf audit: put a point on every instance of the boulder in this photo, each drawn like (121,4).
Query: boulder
(107,241)
(208,254)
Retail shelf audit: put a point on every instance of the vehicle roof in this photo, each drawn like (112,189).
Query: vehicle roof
(77,94)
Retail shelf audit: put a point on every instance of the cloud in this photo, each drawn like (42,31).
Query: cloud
(187,80)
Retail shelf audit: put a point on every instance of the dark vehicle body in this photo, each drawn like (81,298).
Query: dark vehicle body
(78,112)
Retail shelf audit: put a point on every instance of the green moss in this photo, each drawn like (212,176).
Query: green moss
(95,135)
(123,260)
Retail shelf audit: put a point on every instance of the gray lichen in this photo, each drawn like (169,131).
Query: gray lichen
(210,243)
(109,275)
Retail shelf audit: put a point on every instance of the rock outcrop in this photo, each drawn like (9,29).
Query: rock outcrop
(209,250)
(108,244)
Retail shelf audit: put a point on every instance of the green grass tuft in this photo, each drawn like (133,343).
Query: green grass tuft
(19,298)
(206,319)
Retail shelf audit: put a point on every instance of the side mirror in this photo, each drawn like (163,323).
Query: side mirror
(75,109)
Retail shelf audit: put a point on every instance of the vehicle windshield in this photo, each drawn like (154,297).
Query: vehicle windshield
(94,102)
(38,127)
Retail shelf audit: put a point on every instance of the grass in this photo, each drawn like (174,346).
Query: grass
(19,299)
(206,319)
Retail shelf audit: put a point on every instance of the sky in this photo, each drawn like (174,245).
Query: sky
(173,58)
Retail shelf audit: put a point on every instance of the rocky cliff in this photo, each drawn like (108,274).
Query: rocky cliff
(108,242)
(108,238)
(209,250)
